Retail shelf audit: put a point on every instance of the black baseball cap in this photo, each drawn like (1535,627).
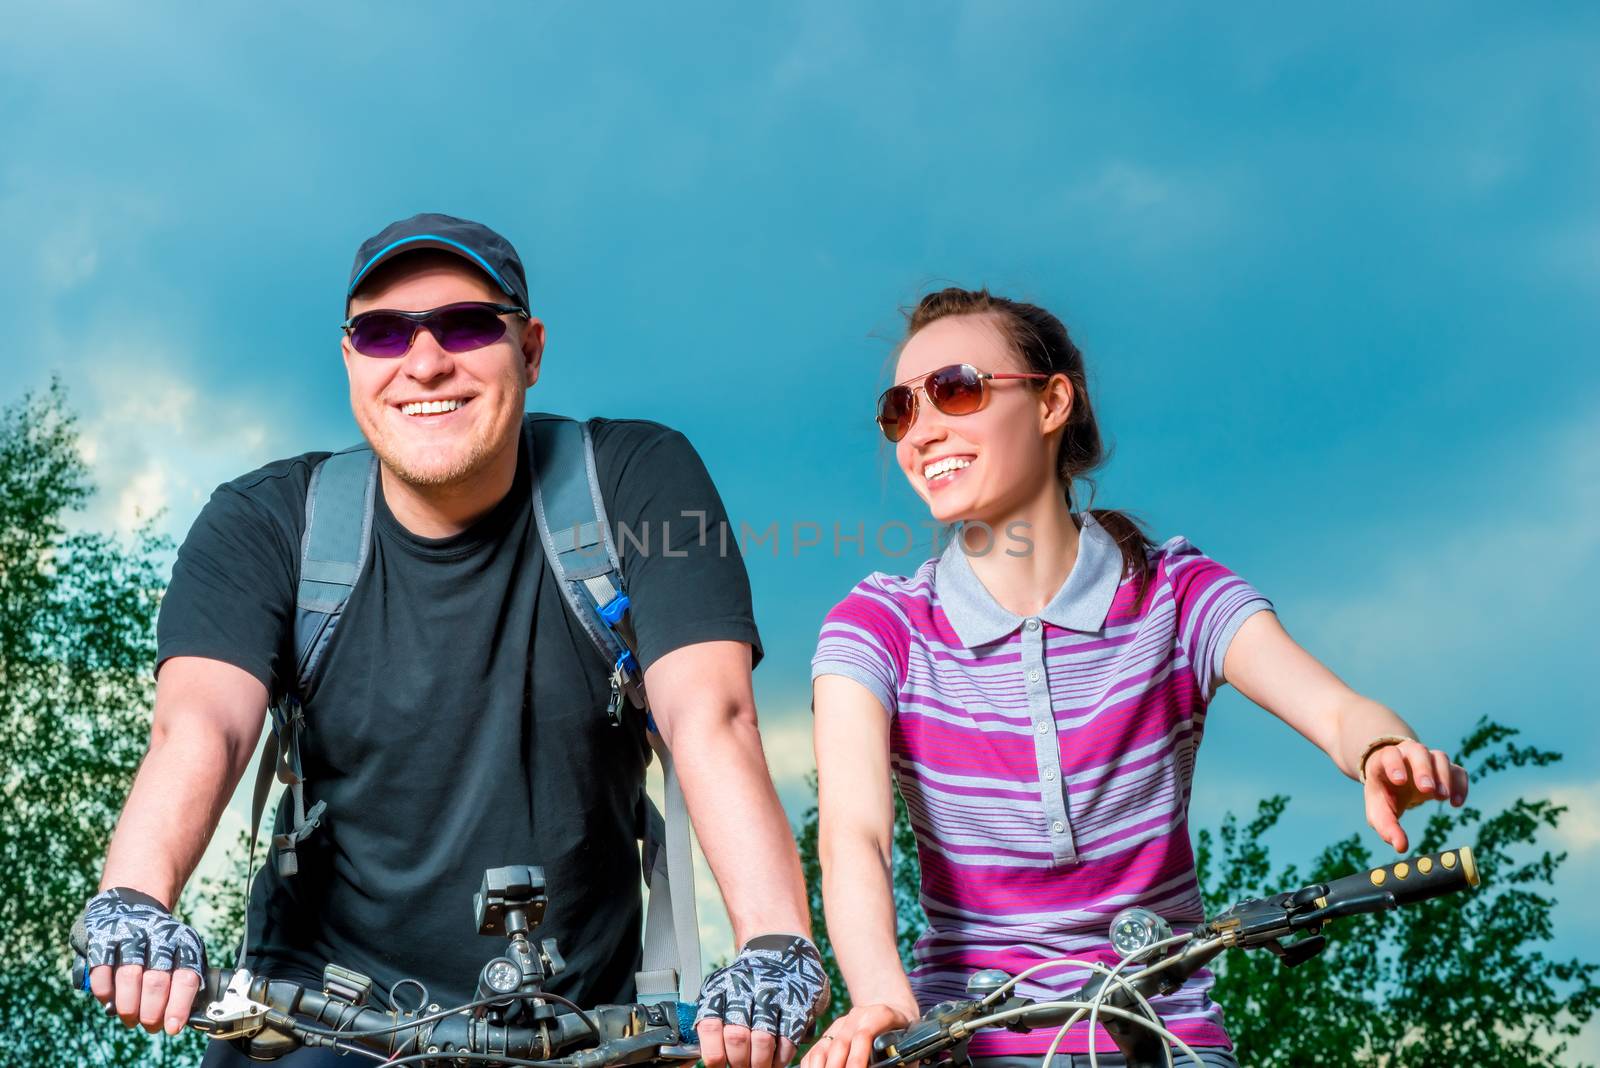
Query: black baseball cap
(472,241)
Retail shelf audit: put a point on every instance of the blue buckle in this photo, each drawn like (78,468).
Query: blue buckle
(613,611)
(626,665)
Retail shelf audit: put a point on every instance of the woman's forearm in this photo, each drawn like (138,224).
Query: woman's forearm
(858,898)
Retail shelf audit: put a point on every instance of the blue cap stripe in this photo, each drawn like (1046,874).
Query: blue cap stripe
(479,260)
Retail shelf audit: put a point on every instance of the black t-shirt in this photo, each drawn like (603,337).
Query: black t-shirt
(457,719)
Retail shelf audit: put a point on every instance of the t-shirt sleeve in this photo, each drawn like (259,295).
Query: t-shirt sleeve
(232,592)
(680,560)
(1212,604)
(865,637)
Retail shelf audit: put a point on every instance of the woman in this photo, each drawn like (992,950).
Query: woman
(1039,691)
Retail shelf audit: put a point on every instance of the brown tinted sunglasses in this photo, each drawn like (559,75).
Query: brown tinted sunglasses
(959,389)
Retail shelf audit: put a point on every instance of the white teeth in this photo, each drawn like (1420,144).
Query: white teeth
(940,467)
(429,407)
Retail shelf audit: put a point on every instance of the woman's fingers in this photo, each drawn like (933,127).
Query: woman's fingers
(1383,815)
(1403,776)
(1388,766)
(861,1049)
(786,1052)
(1441,774)
(839,1048)
(1419,766)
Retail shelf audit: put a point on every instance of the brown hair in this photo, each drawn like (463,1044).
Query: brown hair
(1041,340)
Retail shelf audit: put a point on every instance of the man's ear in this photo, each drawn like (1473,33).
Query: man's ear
(349,354)
(532,349)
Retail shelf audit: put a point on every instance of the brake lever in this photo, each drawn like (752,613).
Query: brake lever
(233,1015)
(633,1049)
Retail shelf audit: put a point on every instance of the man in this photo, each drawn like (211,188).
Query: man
(456,720)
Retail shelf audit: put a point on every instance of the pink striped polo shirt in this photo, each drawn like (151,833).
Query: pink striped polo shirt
(1046,761)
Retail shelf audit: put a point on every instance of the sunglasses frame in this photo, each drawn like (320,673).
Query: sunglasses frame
(921,386)
(419,320)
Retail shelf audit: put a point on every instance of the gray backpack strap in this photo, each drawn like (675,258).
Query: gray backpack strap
(333,553)
(570,512)
(670,966)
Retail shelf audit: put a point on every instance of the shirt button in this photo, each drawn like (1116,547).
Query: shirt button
(1050,774)
(1033,676)
(1058,826)
(1042,727)
(1032,624)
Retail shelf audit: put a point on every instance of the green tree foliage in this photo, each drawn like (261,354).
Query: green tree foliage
(77,645)
(1461,980)
(907,902)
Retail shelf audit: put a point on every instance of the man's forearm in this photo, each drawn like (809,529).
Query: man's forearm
(740,824)
(182,786)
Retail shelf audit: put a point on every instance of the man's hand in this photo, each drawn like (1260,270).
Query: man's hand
(143,961)
(1404,775)
(755,1011)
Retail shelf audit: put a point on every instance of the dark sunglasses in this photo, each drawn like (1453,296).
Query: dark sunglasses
(959,389)
(456,327)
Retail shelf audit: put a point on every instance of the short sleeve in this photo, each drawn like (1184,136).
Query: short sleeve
(866,638)
(232,592)
(1212,604)
(680,560)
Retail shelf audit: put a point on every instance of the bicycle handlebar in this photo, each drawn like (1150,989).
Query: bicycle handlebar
(1250,924)
(273,1015)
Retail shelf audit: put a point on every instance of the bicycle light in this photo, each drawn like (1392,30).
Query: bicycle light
(1136,929)
(501,976)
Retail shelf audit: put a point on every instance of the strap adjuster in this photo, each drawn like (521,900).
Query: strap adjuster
(284,844)
(613,610)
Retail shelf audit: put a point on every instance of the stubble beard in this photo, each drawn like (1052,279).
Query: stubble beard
(426,468)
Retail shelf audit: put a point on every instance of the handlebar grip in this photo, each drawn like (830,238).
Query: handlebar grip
(212,985)
(1408,881)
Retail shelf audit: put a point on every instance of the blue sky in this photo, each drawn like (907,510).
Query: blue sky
(1335,273)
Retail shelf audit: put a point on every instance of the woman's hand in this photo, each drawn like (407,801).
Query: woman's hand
(848,1041)
(1403,776)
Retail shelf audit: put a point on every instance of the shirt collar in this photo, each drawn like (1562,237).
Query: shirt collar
(1081,604)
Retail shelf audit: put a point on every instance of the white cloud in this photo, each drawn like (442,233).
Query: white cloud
(1579,832)
(69,225)
(70,255)
(786,737)
(155,440)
